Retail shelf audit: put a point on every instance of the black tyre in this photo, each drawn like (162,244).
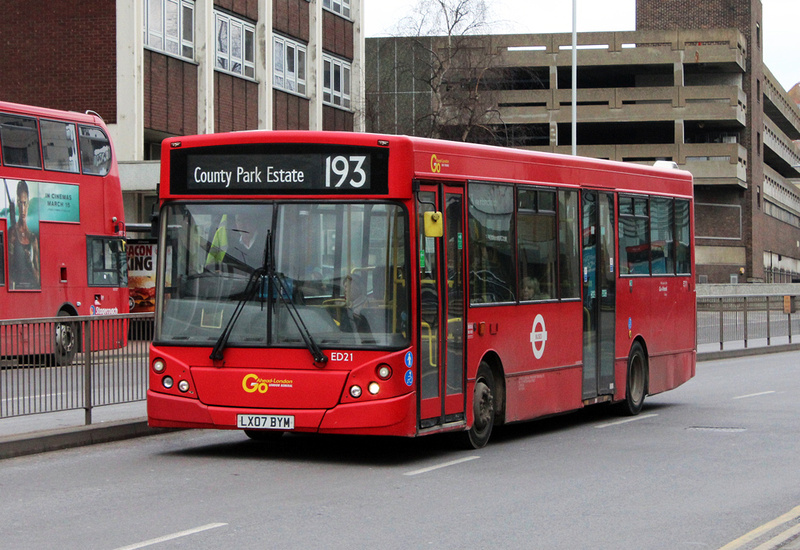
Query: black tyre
(484,408)
(65,342)
(636,385)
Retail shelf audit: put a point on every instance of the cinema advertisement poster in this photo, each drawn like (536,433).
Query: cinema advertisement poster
(142,275)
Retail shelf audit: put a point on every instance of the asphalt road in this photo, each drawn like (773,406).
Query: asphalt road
(700,467)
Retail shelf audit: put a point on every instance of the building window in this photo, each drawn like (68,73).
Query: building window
(289,71)
(342,7)
(235,45)
(336,82)
(169,27)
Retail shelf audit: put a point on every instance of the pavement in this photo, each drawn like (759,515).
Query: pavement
(39,433)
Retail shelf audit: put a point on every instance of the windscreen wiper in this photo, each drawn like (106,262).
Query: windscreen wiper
(250,290)
(283,293)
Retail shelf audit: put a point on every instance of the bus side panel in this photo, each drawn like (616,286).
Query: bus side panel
(535,386)
(670,371)
(661,311)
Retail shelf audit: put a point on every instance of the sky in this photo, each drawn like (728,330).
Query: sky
(781,23)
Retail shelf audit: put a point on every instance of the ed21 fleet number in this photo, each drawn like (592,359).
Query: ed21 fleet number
(345,170)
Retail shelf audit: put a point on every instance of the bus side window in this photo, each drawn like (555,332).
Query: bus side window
(683,240)
(95,151)
(536,244)
(568,248)
(20,139)
(59,146)
(491,254)
(107,262)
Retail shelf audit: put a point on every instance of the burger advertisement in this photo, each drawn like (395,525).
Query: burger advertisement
(142,275)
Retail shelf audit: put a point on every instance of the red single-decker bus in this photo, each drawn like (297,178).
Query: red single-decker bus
(389,285)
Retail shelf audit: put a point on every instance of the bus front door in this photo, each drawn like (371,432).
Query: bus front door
(599,297)
(440,309)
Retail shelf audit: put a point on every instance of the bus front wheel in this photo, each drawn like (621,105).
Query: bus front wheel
(636,384)
(483,408)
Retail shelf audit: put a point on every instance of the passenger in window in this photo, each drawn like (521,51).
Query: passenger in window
(530,288)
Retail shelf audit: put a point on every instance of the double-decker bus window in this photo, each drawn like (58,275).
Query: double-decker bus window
(59,146)
(20,140)
(634,241)
(683,254)
(662,255)
(107,262)
(95,151)
(491,255)
(568,249)
(536,244)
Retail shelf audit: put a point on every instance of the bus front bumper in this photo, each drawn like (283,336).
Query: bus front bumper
(394,416)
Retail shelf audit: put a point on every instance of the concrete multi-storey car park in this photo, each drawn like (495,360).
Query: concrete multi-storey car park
(689,86)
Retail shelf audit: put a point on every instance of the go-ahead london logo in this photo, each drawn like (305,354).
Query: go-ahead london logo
(538,336)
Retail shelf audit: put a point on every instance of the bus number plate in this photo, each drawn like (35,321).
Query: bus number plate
(265,422)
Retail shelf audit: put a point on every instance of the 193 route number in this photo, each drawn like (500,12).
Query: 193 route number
(347,171)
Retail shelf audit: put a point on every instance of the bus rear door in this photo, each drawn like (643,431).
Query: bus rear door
(441,308)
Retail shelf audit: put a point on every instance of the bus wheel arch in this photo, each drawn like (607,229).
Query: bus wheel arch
(636,379)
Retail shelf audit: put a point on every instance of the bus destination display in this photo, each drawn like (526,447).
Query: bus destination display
(327,171)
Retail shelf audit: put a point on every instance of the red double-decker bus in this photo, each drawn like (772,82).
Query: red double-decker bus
(62,225)
(389,285)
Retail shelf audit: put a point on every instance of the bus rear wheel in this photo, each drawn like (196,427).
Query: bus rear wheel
(636,384)
(65,344)
(484,408)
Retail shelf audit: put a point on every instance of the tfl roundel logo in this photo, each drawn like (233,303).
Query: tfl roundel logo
(538,336)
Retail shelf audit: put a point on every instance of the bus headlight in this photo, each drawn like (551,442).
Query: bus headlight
(159,366)
(355,391)
(183,385)
(374,388)
(168,382)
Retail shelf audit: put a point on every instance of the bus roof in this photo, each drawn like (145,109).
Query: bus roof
(45,112)
(458,161)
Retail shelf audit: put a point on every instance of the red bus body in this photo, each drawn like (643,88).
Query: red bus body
(61,192)
(596,318)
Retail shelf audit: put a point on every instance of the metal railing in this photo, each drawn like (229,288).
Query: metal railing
(68,363)
(743,321)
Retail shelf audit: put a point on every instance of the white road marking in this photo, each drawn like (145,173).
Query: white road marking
(625,421)
(173,536)
(438,466)
(754,394)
